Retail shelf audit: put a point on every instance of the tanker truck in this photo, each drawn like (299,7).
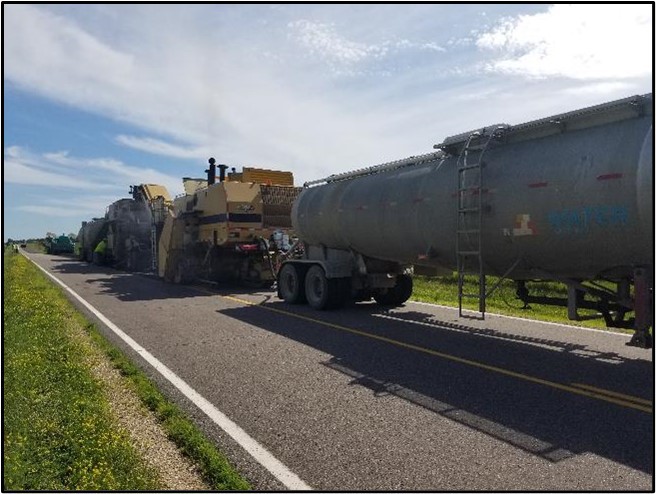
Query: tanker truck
(565,198)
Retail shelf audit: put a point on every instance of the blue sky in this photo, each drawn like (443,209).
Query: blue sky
(100,97)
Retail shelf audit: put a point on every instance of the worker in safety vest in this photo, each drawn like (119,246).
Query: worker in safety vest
(99,252)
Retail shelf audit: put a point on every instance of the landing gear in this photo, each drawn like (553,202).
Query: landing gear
(641,339)
(613,305)
(643,302)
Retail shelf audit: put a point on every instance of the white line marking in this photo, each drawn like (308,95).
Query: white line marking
(255,449)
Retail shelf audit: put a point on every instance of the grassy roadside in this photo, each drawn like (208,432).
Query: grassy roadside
(58,431)
(213,465)
(444,291)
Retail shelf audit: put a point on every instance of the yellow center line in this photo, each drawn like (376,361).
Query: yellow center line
(583,390)
(613,393)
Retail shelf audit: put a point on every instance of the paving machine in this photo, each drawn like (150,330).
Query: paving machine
(233,227)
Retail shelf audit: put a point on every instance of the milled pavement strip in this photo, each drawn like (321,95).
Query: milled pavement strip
(599,394)
(288,478)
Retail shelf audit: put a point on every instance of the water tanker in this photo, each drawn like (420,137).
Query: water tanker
(566,198)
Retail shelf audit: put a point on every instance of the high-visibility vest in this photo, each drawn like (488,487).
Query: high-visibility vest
(100,248)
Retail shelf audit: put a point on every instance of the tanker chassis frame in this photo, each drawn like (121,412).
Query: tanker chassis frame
(326,278)
(630,294)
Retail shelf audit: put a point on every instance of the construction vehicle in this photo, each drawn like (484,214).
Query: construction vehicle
(230,229)
(565,198)
(131,228)
(61,244)
(90,234)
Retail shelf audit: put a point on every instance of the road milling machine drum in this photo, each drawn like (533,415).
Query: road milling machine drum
(231,228)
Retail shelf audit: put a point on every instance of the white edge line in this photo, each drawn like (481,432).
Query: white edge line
(288,478)
(561,325)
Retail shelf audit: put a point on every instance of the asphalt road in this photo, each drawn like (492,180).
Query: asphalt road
(407,399)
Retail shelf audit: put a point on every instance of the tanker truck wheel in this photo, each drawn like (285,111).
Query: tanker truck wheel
(290,284)
(398,294)
(322,293)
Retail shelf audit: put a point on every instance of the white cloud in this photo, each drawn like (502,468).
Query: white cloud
(157,146)
(322,40)
(85,204)
(581,41)
(56,58)
(600,88)
(59,170)
(62,212)
(346,57)
(25,171)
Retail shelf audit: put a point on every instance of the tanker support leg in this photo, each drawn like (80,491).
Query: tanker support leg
(643,310)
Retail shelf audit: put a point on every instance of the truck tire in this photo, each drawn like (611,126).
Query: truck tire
(398,294)
(291,284)
(323,293)
(317,288)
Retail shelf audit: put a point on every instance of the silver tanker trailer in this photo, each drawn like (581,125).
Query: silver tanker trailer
(566,198)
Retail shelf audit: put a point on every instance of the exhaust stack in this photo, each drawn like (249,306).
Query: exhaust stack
(211,172)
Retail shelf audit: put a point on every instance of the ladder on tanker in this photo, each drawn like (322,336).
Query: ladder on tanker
(469,247)
(153,239)
(153,248)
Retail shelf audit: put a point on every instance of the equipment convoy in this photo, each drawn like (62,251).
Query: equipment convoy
(232,229)
(565,198)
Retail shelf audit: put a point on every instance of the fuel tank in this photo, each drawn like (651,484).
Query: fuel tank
(564,196)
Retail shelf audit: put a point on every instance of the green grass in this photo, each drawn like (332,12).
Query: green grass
(59,433)
(37,247)
(213,465)
(444,291)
